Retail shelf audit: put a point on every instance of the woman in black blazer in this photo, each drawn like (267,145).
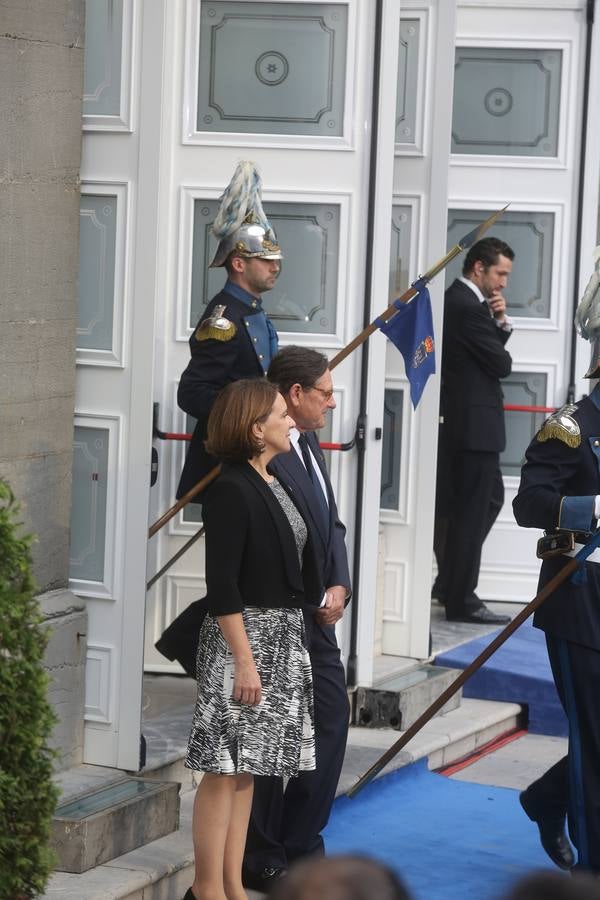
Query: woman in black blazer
(254,709)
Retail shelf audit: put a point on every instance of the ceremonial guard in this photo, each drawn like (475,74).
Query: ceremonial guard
(560,492)
(234,338)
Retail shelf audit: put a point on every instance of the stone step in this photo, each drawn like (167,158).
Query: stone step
(163,869)
(105,813)
(445,739)
(399,700)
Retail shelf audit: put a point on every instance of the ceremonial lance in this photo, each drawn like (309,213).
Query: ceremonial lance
(568,569)
(467,241)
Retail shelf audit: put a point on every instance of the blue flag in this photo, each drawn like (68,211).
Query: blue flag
(411,331)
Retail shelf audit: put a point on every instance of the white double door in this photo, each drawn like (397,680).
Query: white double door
(289,87)
(516,138)
(489,112)
(203,85)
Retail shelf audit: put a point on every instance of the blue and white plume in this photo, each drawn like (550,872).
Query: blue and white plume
(241,224)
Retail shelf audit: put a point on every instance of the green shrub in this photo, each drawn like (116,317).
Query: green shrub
(27,794)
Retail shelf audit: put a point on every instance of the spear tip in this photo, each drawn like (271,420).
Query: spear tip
(473,236)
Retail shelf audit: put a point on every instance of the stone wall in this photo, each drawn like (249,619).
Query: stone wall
(41,72)
(65,662)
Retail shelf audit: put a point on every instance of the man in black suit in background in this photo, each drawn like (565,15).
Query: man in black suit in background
(286,825)
(469,490)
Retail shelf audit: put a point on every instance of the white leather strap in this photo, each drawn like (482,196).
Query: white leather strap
(593,557)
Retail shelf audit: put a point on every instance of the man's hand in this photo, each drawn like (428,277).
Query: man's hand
(497,305)
(333,609)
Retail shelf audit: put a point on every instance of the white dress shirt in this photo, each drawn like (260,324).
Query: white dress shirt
(294,438)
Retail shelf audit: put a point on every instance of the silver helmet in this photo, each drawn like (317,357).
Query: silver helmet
(250,241)
(594,366)
(241,226)
(587,317)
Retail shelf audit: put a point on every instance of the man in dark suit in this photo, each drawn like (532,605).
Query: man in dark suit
(469,490)
(234,338)
(286,825)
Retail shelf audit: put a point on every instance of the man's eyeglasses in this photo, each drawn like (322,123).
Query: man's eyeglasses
(326,394)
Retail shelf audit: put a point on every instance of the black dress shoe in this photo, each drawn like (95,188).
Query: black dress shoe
(263,881)
(481,616)
(553,837)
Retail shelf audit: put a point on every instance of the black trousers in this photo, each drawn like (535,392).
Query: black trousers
(549,795)
(287,824)
(572,785)
(469,496)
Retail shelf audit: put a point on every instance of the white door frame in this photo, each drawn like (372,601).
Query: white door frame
(409,614)
(122,156)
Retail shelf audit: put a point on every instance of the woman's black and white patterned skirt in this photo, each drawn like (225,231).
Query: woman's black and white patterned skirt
(276,737)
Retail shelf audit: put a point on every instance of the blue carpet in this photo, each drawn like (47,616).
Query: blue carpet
(446,839)
(518,672)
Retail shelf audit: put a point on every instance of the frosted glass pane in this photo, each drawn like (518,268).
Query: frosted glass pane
(103,39)
(522,389)
(531,236)
(304,298)
(97,242)
(391,458)
(406,93)
(506,101)
(400,249)
(272,68)
(88,503)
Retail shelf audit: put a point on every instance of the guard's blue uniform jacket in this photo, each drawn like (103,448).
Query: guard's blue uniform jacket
(242,349)
(558,488)
(559,483)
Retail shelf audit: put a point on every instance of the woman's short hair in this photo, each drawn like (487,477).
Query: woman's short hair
(237,408)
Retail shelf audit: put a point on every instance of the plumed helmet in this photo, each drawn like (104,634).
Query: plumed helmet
(251,241)
(241,226)
(587,317)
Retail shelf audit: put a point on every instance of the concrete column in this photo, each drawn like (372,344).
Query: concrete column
(41,73)
(66,618)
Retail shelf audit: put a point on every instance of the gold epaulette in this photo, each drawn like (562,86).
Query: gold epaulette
(216,327)
(562,426)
